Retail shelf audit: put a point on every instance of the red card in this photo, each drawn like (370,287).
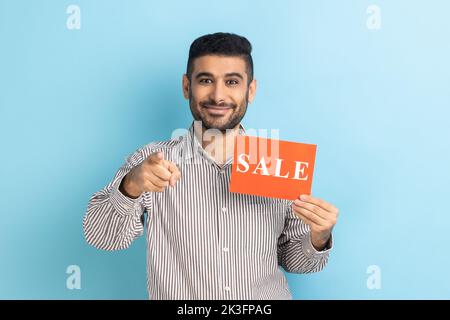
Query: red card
(272,168)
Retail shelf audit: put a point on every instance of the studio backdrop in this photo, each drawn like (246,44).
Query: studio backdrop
(83,84)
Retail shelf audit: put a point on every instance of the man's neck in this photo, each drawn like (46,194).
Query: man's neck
(218,144)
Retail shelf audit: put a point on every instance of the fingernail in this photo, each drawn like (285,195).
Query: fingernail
(304,197)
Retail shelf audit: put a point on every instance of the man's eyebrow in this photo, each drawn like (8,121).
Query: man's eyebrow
(227,75)
(204,74)
(234,74)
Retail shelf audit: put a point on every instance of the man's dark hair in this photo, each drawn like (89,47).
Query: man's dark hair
(221,44)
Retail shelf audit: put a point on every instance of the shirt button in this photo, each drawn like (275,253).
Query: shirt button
(224,209)
(227,288)
(308,250)
(225,249)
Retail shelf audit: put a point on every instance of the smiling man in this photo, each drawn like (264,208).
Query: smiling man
(204,242)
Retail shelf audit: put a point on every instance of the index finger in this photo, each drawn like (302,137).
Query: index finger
(155,157)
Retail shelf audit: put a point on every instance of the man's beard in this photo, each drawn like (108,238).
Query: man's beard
(209,122)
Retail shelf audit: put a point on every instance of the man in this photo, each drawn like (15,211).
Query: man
(204,242)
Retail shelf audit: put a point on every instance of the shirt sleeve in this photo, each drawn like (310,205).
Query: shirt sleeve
(296,253)
(112,220)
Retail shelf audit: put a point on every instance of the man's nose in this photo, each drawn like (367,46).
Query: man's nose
(219,93)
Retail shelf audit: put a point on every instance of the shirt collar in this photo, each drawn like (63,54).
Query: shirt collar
(192,148)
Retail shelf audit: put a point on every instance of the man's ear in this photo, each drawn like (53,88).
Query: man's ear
(252,91)
(186,86)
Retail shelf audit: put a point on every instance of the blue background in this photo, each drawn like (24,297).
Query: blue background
(75,103)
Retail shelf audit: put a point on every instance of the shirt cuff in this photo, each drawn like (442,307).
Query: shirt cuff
(124,205)
(311,252)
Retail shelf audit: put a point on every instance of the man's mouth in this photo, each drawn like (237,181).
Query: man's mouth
(216,110)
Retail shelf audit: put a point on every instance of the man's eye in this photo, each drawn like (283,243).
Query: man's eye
(232,82)
(205,81)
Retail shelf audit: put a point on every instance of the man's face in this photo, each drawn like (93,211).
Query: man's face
(219,92)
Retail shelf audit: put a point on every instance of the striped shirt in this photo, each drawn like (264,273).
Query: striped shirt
(203,241)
